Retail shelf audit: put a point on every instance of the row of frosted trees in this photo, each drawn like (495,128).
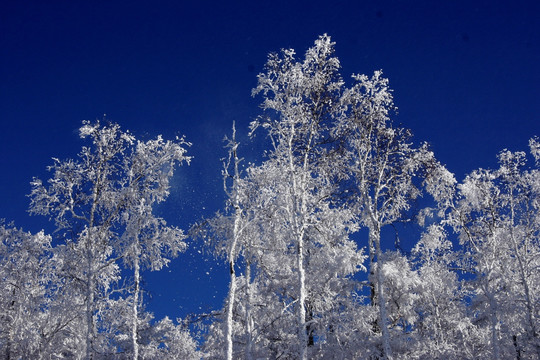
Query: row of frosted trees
(304,234)
(303,230)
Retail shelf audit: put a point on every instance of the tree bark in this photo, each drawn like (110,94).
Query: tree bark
(230,307)
(302,335)
(232,251)
(249,330)
(134,324)
(375,237)
(90,299)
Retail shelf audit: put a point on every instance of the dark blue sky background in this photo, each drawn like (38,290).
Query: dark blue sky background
(465,73)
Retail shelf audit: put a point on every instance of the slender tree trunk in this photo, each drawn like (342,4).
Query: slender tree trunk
(90,318)
(372,262)
(372,280)
(135,307)
(90,298)
(309,327)
(232,290)
(533,332)
(296,213)
(302,329)
(302,335)
(296,217)
(249,330)
(375,237)
(439,336)
(90,276)
(232,252)
(230,308)
(8,346)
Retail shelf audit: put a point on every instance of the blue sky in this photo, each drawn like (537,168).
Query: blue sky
(465,75)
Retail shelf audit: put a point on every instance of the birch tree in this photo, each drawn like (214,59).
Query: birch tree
(231,234)
(236,233)
(224,233)
(305,97)
(385,171)
(83,199)
(147,241)
(101,204)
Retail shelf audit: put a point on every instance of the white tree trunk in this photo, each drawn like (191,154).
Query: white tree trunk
(249,327)
(302,335)
(90,276)
(230,309)
(375,235)
(134,324)
(90,299)
(297,212)
(90,316)
(232,251)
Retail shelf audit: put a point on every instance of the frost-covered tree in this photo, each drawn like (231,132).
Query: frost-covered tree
(384,173)
(170,341)
(226,232)
(497,216)
(147,241)
(232,253)
(309,233)
(238,234)
(102,205)
(84,198)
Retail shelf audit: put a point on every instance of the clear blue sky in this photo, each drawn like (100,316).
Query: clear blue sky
(465,73)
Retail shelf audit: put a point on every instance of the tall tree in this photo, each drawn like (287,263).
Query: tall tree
(234,235)
(385,171)
(108,192)
(305,97)
(227,234)
(83,199)
(147,241)
(234,199)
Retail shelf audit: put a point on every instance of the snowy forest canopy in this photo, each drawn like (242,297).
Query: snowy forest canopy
(305,283)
